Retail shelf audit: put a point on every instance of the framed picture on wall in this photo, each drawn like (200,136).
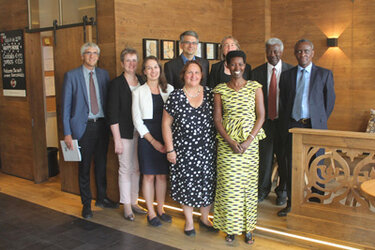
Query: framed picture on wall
(168,49)
(211,51)
(178,49)
(150,47)
(201,50)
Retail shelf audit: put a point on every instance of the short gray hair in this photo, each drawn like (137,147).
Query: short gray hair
(188,33)
(275,41)
(303,40)
(89,45)
(127,51)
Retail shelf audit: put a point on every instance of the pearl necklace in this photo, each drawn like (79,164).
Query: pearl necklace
(192,96)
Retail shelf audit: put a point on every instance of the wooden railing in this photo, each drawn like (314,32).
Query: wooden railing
(345,159)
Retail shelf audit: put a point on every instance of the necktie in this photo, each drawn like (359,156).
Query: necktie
(272,111)
(297,106)
(93,99)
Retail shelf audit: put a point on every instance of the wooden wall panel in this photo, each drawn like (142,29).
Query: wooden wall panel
(138,19)
(106,35)
(351,63)
(251,23)
(13,14)
(22,146)
(34,80)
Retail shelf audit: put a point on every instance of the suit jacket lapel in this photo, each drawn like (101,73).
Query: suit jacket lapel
(313,75)
(283,66)
(82,83)
(180,62)
(294,83)
(265,86)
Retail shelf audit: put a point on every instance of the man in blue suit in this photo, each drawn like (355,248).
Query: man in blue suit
(83,99)
(307,98)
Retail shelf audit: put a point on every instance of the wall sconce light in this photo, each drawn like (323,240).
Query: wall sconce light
(332,42)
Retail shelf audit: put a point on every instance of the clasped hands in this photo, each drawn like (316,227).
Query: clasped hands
(240,148)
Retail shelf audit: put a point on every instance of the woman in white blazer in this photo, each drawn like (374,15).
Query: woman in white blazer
(147,109)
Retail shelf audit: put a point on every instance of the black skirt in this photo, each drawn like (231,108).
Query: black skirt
(152,161)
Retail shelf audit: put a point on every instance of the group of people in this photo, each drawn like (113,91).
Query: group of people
(210,133)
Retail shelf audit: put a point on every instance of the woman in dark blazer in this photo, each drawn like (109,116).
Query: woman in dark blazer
(219,71)
(125,137)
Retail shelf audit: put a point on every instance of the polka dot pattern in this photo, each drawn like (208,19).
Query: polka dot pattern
(193,177)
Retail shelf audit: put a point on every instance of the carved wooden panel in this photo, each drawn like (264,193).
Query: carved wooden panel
(343,170)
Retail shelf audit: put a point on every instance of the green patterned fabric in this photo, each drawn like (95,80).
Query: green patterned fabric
(237,174)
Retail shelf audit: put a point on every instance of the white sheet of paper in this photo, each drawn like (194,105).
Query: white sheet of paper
(71,155)
(49,85)
(48,58)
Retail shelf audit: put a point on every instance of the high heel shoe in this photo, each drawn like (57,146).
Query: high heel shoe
(229,238)
(249,238)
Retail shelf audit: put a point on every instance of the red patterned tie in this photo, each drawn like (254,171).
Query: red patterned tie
(93,99)
(272,111)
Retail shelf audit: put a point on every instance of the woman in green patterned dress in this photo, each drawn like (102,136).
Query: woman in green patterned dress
(238,115)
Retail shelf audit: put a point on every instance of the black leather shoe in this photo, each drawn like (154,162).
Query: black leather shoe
(165,217)
(208,227)
(280,201)
(106,203)
(261,197)
(190,232)
(155,222)
(283,212)
(86,212)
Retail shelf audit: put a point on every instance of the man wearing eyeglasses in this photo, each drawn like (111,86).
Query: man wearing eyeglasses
(188,43)
(307,98)
(83,99)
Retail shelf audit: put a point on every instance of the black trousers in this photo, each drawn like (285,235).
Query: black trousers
(267,148)
(94,145)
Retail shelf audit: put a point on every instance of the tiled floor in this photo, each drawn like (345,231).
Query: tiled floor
(24,225)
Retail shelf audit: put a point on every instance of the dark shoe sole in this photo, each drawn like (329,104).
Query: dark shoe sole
(283,212)
(190,232)
(165,217)
(229,238)
(209,228)
(249,239)
(155,222)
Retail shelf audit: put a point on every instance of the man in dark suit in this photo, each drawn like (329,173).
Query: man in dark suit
(307,98)
(188,43)
(268,75)
(83,99)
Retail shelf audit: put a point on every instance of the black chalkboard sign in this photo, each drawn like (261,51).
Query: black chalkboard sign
(13,63)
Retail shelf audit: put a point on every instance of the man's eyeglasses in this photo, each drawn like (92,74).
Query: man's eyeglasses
(190,43)
(91,53)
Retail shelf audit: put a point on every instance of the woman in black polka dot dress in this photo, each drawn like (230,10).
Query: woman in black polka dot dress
(189,136)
